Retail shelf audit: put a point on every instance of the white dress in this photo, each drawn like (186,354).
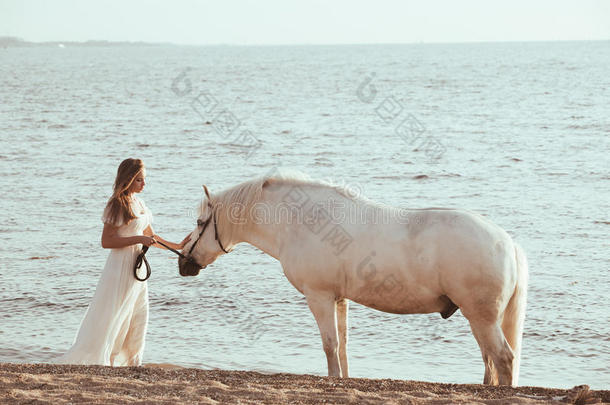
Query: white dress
(113,329)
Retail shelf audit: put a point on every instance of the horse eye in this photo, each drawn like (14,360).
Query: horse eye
(199,222)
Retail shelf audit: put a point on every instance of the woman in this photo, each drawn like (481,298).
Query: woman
(113,329)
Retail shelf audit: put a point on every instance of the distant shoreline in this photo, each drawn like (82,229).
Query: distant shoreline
(164,383)
(15,42)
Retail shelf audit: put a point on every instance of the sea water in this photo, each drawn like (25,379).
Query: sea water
(518,132)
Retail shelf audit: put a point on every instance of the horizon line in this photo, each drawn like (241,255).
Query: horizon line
(219,44)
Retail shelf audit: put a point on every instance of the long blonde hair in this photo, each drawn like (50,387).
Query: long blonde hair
(119,205)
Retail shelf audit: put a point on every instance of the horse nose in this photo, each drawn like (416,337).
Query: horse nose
(182,266)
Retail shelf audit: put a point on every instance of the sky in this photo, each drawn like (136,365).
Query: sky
(273,22)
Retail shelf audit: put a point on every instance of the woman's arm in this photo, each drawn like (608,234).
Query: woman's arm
(150,232)
(111,239)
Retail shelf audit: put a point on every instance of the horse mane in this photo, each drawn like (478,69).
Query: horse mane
(248,193)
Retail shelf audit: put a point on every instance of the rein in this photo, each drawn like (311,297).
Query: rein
(142,256)
(142,259)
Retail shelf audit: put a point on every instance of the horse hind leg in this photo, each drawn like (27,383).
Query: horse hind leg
(497,353)
(323,307)
(342,311)
(491,375)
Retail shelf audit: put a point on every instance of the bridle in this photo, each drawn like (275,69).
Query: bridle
(203,224)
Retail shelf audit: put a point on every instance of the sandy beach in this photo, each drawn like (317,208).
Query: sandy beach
(163,383)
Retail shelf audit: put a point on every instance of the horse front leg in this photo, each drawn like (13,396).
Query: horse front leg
(323,308)
(342,310)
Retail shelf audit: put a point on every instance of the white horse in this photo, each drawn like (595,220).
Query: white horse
(336,247)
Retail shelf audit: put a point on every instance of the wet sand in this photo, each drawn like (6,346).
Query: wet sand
(168,384)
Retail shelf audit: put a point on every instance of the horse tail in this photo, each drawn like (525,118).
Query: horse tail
(514,314)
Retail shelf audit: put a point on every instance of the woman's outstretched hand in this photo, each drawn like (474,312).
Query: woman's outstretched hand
(184,241)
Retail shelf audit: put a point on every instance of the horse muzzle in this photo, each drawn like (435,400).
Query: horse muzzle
(188,267)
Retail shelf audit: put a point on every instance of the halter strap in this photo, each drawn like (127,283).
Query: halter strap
(204,225)
(141,259)
(216,236)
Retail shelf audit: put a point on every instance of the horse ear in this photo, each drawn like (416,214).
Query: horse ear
(207,193)
(269,183)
